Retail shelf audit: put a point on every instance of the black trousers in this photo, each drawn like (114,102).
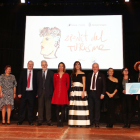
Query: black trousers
(111,106)
(44,101)
(60,108)
(94,107)
(127,108)
(30,98)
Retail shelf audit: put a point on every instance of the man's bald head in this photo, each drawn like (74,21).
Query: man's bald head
(95,67)
(30,65)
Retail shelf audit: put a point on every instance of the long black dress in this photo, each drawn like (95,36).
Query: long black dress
(110,87)
(78,109)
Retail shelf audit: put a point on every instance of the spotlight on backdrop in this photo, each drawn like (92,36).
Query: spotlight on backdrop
(22,1)
(127,0)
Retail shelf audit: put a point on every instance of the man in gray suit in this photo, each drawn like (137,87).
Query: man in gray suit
(44,92)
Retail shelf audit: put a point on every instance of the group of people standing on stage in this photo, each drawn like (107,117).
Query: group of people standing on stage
(52,88)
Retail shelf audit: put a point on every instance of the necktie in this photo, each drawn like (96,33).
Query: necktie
(29,77)
(93,82)
(43,78)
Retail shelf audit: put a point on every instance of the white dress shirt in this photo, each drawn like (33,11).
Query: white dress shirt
(31,80)
(45,73)
(92,81)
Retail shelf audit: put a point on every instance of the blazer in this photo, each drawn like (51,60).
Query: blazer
(130,79)
(49,88)
(22,84)
(100,84)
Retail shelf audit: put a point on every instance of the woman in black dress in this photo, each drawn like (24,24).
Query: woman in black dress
(111,90)
(78,108)
(126,99)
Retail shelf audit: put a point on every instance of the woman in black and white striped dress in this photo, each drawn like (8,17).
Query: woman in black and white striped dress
(78,109)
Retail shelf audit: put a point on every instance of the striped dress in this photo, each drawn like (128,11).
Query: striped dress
(78,109)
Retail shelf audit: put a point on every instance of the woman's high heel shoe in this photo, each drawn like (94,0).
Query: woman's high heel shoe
(3,122)
(8,122)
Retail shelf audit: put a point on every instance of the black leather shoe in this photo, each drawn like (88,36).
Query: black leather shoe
(91,125)
(111,126)
(19,123)
(8,123)
(125,126)
(3,123)
(128,126)
(58,124)
(31,123)
(38,124)
(61,124)
(49,124)
(108,126)
(97,125)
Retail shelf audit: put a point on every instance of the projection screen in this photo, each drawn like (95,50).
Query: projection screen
(67,39)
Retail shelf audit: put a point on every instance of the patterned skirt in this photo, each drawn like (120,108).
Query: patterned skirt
(8,98)
(78,109)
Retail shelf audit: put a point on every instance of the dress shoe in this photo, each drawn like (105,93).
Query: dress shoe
(30,123)
(97,125)
(111,126)
(128,126)
(61,124)
(108,125)
(125,126)
(38,124)
(92,125)
(3,122)
(8,122)
(49,124)
(58,124)
(19,123)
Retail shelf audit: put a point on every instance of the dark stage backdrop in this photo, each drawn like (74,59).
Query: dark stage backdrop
(12,29)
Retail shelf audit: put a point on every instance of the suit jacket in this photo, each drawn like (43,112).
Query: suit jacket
(22,84)
(49,88)
(100,84)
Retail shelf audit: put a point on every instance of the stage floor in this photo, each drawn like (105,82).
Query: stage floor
(44,132)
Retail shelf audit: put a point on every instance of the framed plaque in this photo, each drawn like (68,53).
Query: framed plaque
(132,88)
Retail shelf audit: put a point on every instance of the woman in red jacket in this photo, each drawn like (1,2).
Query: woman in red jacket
(61,82)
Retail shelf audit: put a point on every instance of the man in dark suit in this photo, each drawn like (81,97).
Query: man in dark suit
(27,92)
(96,88)
(44,92)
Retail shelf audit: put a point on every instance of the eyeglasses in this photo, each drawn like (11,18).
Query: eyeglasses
(125,70)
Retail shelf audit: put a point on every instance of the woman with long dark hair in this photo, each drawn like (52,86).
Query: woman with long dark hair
(126,99)
(78,109)
(60,95)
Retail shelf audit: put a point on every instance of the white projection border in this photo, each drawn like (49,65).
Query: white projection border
(67,39)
